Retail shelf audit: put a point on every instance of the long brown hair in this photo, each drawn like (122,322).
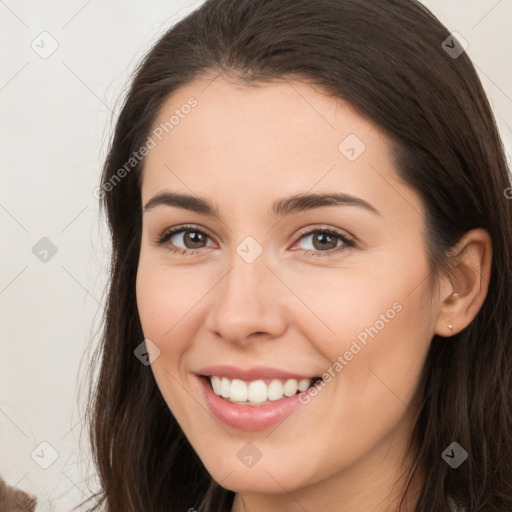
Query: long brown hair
(388,60)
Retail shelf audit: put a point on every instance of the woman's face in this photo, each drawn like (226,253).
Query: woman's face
(270,291)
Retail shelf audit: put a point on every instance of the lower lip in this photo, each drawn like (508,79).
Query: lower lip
(248,417)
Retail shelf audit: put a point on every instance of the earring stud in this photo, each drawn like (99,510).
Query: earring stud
(453,296)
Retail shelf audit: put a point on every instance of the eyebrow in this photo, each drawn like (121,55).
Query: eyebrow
(281,208)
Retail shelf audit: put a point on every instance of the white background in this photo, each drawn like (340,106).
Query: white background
(56,116)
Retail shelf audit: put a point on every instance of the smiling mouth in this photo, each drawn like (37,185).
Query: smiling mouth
(257,392)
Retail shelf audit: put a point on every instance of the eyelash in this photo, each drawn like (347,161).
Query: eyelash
(347,242)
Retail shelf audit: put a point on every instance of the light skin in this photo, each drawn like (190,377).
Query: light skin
(243,148)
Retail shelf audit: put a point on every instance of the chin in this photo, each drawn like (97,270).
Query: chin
(269,477)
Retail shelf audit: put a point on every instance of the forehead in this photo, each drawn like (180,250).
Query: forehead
(240,144)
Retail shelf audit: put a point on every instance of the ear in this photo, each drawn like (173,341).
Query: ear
(469,281)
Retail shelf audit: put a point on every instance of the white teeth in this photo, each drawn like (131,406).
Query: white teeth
(304,384)
(216,385)
(225,385)
(290,387)
(257,392)
(275,390)
(238,392)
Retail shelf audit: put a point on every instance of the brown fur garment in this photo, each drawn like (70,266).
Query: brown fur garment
(15,500)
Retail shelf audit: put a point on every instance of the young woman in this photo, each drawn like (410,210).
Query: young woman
(310,299)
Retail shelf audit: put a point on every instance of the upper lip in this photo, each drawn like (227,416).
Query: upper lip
(251,374)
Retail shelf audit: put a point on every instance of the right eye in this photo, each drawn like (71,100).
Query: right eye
(188,235)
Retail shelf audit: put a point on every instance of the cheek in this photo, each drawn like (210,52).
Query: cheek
(375,329)
(164,298)
(375,295)
(336,308)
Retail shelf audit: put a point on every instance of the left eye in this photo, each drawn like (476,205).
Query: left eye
(324,241)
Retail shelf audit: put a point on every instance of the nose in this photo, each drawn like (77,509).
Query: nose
(248,303)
